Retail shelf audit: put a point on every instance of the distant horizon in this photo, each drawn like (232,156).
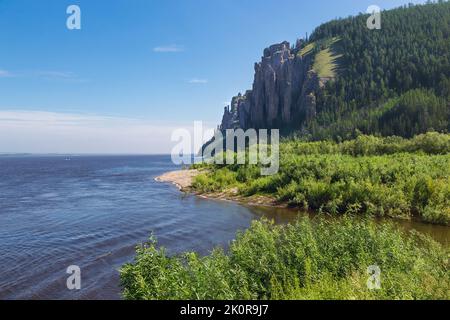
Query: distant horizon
(80,154)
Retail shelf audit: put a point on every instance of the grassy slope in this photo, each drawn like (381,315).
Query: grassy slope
(327,59)
(307,49)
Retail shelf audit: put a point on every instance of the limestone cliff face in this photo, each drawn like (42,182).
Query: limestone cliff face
(283,94)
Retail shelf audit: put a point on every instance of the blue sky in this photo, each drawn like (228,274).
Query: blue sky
(161,63)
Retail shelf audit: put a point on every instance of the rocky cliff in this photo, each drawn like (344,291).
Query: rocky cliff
(369,71)
(283,94)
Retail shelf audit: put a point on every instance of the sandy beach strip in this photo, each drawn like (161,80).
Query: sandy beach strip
(182,178)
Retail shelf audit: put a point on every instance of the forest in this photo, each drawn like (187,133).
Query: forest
(393,81)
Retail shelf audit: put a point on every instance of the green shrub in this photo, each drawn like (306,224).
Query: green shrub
(428,143)
(369,176)
(310,259)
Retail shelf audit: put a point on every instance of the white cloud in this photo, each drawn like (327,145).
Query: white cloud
(43,74)
(49,132)
(56,74)
(5,74)
(198,81)
(168,49)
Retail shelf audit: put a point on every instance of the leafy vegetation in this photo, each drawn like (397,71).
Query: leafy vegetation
(306,260)
(372,176)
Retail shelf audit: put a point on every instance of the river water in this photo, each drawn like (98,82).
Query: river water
(91,211)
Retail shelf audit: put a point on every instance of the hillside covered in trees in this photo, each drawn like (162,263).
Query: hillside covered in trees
(395,81)
(347,79)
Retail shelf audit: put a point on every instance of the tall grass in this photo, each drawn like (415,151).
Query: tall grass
(306,260)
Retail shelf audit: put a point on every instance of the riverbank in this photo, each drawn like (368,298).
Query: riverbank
(368,176)
(184,179)
(295,261)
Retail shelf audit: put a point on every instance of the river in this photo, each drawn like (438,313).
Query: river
(91,211)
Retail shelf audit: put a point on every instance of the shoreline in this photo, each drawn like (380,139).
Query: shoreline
(183,180)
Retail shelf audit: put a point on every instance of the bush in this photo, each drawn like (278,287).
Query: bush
(428,143)
(311,259)
(373,176)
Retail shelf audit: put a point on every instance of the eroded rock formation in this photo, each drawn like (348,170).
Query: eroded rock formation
(283,94)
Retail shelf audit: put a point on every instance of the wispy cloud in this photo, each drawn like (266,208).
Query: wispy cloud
(169,49)
(68,133)
(42,74)
(5,74)
(56,74)
(198,81)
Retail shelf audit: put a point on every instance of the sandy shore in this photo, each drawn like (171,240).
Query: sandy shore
(183,180)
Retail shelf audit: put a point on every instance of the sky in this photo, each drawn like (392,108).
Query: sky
(137,69)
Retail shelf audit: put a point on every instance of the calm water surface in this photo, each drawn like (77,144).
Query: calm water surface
(91,211)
